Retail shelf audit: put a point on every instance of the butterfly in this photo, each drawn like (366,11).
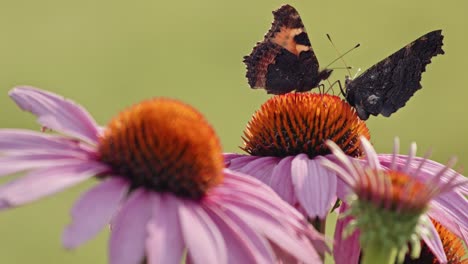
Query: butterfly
(284,61)
(388,85)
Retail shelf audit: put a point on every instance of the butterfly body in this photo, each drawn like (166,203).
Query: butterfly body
(284,61)
(388,85)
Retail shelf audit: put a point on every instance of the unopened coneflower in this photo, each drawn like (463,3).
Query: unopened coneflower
(283,140)
(390,205)
(163,185)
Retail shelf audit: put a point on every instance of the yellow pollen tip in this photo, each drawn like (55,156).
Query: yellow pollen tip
(165,146)
(296,123)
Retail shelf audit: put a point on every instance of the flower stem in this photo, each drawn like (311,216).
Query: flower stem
(319,225)
(378,253)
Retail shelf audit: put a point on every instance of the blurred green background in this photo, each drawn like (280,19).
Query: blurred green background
(108,55)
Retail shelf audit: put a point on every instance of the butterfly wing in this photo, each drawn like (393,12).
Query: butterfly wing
(388,85)
(284,61)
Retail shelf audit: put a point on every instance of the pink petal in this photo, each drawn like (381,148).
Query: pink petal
(202,237)
(450,209)
(129,229)
(281,180)
(236,185)
(371,155)
(3,206)
(255,195)
(428,170)
(463,232)
(272,227)
(258,167)
(245,245)
(165,243)
(94,210)
(283,257)
(56,112)
(433,242)
(342,189)
(18,163)
(315,186)
(18,140)
(260,199)
(230,156)
(236,161)
(44,182)
(345,250)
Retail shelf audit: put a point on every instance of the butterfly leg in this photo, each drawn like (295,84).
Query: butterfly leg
(338,82)
(321,88)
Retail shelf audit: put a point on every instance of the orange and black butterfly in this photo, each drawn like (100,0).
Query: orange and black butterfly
(284,61)
(388,85)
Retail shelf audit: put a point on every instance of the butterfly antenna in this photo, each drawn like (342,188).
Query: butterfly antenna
(357,72)
(340,56)
(341,68)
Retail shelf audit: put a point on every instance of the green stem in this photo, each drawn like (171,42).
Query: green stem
(376,253)
(319,225)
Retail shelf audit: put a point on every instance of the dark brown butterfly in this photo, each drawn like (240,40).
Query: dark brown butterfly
(388,85)
(284,61)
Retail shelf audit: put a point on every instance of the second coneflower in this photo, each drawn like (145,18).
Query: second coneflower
(390,206)
(163,185)
(283,140)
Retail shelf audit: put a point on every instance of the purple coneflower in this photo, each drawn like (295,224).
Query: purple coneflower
(163,185)
(453,247)
(392,203)
(284,139)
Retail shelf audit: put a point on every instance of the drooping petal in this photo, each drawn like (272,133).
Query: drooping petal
(165,243)
(94,210)
(463,232)
(56,112)
(43,182)
(257,197)
(315,186)
(129,229)
(276,231)
(259,167)
(236,184)
(241,159)
(204,240)
(346,250)
(245,245)
(254,193)
(432,241)
(281,180)
(451,210)
(236,161)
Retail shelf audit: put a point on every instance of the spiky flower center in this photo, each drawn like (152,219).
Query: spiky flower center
(163,145)
(296,123)
(393,190)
